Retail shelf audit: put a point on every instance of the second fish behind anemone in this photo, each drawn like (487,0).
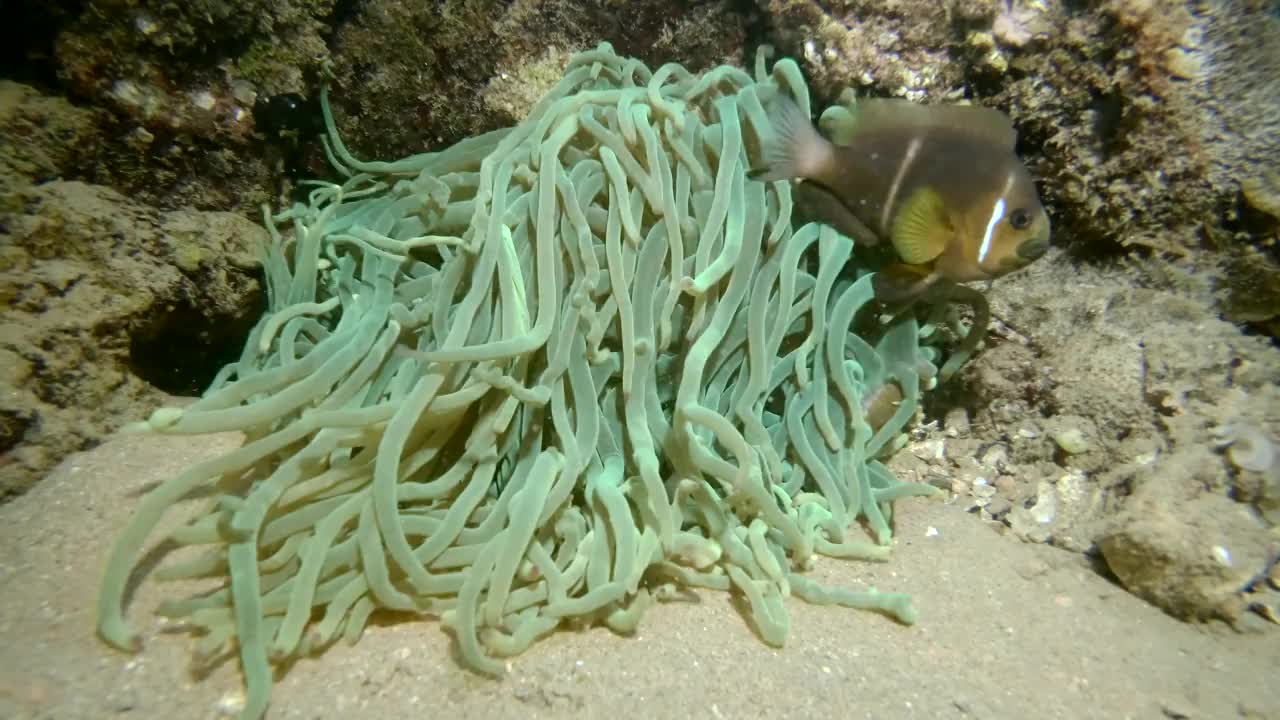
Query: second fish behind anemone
(940,183)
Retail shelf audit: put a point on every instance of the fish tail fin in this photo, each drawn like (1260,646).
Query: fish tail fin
(797,149)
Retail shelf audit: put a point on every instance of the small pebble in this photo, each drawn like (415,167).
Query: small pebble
(998,507)
(929,449)
(1072,441)
(956,422)
(1006,485)
(995,456)
(230,704)
(962,451)
(243,91)
(942,481)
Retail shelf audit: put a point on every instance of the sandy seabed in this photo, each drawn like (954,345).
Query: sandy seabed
(1006,630)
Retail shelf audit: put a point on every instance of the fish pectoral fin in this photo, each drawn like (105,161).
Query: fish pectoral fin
(921,228)
(898,283)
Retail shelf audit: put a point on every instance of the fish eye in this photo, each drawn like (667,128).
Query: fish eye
(1020,219)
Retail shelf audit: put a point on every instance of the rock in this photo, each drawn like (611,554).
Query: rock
(1191,559)
(1006,485)
(932,450)
(480,66)
(961,451)
(101,319)
(1072,441)
(180,83)
(42,138)
(995,456)
(1062,510)
(1145,374)
(997,507)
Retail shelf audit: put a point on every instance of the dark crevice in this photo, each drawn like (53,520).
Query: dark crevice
(343,12)
(180,350)
(757,29)
(1108,114)
(27,37)
(14,425)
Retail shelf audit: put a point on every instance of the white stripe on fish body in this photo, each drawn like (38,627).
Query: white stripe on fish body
(910,155)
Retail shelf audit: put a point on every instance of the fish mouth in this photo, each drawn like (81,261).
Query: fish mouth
(1034,248)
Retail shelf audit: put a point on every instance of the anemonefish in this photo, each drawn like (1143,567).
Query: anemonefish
(940,183)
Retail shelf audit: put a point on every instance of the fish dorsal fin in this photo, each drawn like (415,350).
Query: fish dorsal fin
(843,123)
(921,228)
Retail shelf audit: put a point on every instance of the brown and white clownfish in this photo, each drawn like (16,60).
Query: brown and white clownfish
(941,183)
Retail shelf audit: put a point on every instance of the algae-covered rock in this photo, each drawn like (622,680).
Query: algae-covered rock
(1192,559)
(416,76)
(151,57)
(1251,290)
(102,318)
(180,81)
(1144,376)
(914,48)
(42,137)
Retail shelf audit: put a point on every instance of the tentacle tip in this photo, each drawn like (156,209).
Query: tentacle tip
(906,613)
(123,639)
(162,419)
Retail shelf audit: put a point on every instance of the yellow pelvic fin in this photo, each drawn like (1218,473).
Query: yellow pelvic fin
(921,229)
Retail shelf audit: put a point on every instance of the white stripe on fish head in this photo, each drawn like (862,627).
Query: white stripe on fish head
(997,214)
